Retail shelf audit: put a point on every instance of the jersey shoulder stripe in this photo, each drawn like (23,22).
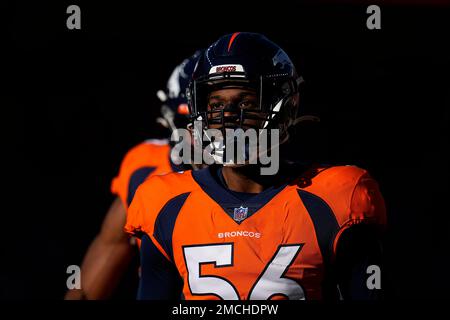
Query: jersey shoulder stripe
(325,224)
(336,186)
(165,222)
(351,195)
(149,201)
(137,177)
(141,161)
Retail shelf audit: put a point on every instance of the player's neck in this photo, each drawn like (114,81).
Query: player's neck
(247,179)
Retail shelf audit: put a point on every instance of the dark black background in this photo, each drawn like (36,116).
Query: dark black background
(76,100)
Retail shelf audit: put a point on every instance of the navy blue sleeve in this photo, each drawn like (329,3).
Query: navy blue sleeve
(159,278)
(358,248)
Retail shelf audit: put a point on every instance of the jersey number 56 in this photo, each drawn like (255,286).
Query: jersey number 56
(271,282)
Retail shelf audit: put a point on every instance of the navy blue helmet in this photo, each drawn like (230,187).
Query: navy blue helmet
(174,109)
(247,60)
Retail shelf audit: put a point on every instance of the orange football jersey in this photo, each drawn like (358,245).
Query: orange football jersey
(272,245)
(148,158)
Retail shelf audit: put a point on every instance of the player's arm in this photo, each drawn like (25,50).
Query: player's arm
(107,257)
(359,244)
(359,247)
(159,278)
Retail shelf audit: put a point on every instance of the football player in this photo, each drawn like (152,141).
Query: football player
(111,251)
(228,232)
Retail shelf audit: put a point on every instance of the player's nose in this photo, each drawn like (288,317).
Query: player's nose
(232,117)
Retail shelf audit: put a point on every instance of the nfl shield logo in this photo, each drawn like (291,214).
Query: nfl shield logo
(240,214)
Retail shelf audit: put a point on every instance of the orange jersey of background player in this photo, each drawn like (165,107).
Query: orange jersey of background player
(272,245)
(151,157)
(111,252)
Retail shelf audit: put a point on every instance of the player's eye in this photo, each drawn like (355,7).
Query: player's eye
(247,104)
(216,106)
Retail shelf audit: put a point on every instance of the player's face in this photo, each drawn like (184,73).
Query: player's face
(232,100)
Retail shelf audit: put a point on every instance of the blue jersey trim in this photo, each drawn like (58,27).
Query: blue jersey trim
(324,220)
(136,179)
(165,222)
